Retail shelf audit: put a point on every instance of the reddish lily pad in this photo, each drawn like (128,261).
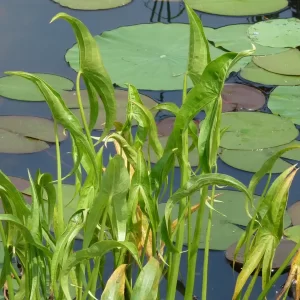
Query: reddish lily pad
(240,97)
(294,212)
(283,250)
(20,183)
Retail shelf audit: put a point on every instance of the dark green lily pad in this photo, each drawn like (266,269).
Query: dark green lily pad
(284,101)
(235,38)
(70,99)
(285,63)
(256,74)
(92,4)
(18,88)
(149,56)
(252,161)
(255,130)
(237,97)
(237,7)
(276,33)
(282,252)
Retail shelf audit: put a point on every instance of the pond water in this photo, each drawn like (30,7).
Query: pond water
(29,43)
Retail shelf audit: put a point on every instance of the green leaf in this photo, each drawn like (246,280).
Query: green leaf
(252,161)
(146,285)
(235,38)
(98,249)
(236,7)
(115,286)
(199,55)
(92,4)
(92,69)
(276,33)
(256,74)
(252,131)
(156,47)
(293,233)
(286,63)
(17,88)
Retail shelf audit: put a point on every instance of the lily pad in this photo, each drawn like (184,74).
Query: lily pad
(284,101)
(237,7)
(282,252)
(256,74)
(18,88)
(235,38)
(293,233)
(238,97)
(294,212)
(252,161)
(286,63)
(149,56)
(276,33)
(70,99)
(92,4)
(255,130)
(20,183)
(241,64)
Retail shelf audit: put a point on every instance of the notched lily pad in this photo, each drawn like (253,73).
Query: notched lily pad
(237,97)
(283,250)
(18,88)
(92,4)
(255,130)
(70,99)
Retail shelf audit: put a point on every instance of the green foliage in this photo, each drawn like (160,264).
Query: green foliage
(115,205)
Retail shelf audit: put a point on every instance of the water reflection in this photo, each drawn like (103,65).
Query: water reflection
(164,11)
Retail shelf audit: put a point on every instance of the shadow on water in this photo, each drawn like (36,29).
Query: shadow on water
(29,43)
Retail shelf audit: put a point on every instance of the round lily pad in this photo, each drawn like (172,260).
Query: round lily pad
(255,130)
(238,97)
(20,183)
(252,161)
(241,64)
(282,252)
(70,99)
(18,88)
(293,233)
(237,7)
(235,38)
(294,212)
(149,56)
(276,33)
(256,74)
(92,4)
(284,101)
(286,63)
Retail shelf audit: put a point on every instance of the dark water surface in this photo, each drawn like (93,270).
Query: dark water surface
(29,43)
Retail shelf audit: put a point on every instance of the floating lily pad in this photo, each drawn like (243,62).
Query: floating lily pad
(293,233)
(18,88)
(235,38)
(238,97)
(284,101)
(237,7)
(282,252)
(20,183)
(255,130)
(241,64)
(294,212)
(149,56)
(256,74)
(92,4)
(276,33)
(252,161)
(286,63)
(70,99)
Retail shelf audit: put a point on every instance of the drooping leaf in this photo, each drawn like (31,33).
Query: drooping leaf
(235,38)
(285,63)
(146,285)
(240,97)
(252,160)
(115,286)
(256,74)
(276,33)
(252,131)
(236,7)
(283,101)
(17,88)
(156,61)
(92,4)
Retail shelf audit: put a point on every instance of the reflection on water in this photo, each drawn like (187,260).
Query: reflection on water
(163,10)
